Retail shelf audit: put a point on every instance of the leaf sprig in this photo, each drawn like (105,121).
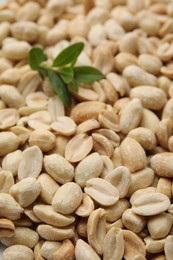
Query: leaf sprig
(63,76)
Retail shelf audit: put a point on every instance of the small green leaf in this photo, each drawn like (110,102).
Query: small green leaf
(42,73)
(86,74)
(66,74)
(73,87)
(69,55)
(60,88)
(36,56)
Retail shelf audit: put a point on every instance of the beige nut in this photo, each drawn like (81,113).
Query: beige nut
(48,188)
(24,187)
(11,162)
(52,233)
(168,247)
(25,31)
(37,99)
(102,191)
(164,186)
(136,76)
(131,115)
(164,131)
(133,155)
(31,163)
(6,228)
(83,251)
(58,168)
(55,107)
(11,96)
(140,192)
(87,126)
(8,117)
(109,119)
(78,147)
(144,136)
(102,145)
(9,142)
(107,166)
(96,229)
(133,245)
(149,120)
(29,11)
(113,246)
(120,178)
(150,63)
(123,59)
(154,246)
(132,221)
(6,181)
(114,213)
(90,167)
(47,214)
(9,208)
(22,236)
(64,125)
(17,51)
(162,164)
(86,110)
(86,207)
(18,252)
(67,198)
(48,248)
(151,97)
(151,204)
(159,226)
(65,251)
(44,139)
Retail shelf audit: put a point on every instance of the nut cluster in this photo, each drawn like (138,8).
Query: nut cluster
(94,181)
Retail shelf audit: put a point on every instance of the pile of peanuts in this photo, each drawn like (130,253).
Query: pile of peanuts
(94,181)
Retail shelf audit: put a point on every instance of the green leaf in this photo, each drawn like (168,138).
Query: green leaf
(73,87)
(36,56)
(66,74)
(60,88)
(86,74)
(69,55)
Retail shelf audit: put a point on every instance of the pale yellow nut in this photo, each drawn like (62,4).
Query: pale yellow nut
(7,15)
(11,76)
(48,248)
(20,191)
(133,245)
(129,43)
(4,31)
(90,167)
(102,191)
(114,212)
(25,31)
(119,83)
(28,12)
(9,142)
(109,119)
(123,59)
(102,145)
(64,125)
(151,204)
(140,192)
(78,147)
(58,168)
(52,233)
(150,63)
(67,198)
(149,120)
(150,25)
(164,131)
(96,34)
(65,251)
(57,33)
(133,155)
(111,135)
(18,252)
(154,246)
(6,181)
(168,247)
(86,126)
(86,94)
(83,251)
(107,166)
(144,136)
(47,214)
(86,207)
(8,117)
(6,228)
(37,99)
(96,229)
(44,139)
(55,107)
(132,221)
(113,246)
(136,76)
(160,225)
(22,236)
(120,178)
(131,115)
(11,162)
(162,164)
(86,110)
(78,26)
(48,187)
(22,132)
(31,163)
(164,186)
(17,51)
